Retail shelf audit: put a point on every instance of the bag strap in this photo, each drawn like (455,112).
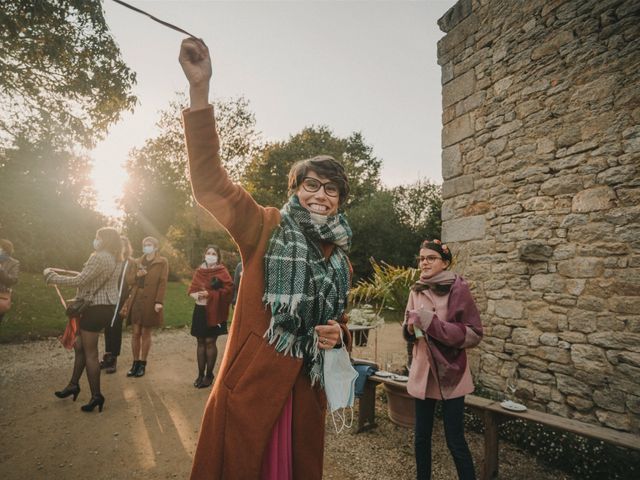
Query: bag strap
(124,272)
(105,281)
(64,303)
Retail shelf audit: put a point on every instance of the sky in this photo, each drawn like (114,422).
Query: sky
(366,66)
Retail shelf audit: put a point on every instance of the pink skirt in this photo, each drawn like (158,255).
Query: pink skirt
(278,458)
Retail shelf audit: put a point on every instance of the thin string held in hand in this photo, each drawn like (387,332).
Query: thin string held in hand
(162,22)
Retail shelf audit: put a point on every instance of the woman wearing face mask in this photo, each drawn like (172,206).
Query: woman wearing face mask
(146,303)
(98,283)
(269,400)
(113,330)
(9,269)
(212,289)
(443,319)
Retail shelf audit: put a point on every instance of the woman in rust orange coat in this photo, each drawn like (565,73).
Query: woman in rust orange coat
(265,417)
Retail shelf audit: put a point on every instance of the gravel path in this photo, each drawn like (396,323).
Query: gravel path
(149,427)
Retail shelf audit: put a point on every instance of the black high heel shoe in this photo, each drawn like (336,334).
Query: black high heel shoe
(68,391)
(96,401)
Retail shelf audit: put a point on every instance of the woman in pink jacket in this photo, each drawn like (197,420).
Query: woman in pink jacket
(443,319)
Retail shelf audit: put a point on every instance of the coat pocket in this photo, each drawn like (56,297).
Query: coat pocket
(242,361)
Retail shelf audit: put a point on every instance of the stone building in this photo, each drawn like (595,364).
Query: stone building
(541,168)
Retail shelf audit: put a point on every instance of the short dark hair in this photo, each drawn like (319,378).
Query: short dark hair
(217,249)
(437,246)
(111,241)
(6,246)
(325,166)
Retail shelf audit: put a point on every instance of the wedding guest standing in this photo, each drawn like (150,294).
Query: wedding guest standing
(265,417)
(147,302)
(443,319)
(9,269)
(113,330)
(97,283)
(212,289)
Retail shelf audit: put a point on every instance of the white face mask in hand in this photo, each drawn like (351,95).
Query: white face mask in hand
(339,384)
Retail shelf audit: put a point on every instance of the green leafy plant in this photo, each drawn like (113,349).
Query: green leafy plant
(388,287)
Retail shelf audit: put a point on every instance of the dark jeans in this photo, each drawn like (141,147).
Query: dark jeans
(113,336)
(453,416)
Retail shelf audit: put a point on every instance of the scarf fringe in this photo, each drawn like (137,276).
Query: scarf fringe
(283,303)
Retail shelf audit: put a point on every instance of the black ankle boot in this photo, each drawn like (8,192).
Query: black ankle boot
(96,401)
(206,381)
(67,391)
(141,367)
(134,369)
(113,366)
(106,361)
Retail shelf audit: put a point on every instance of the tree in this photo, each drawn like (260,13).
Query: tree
(419,207)
(157,197)
(47,206)
(266,175)
(62,74)
(378,233)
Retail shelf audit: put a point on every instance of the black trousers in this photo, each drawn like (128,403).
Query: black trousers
(113,336)
(453,416)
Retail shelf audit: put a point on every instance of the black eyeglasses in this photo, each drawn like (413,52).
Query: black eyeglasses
(312,185)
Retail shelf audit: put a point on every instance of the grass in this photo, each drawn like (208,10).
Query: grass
(37,311)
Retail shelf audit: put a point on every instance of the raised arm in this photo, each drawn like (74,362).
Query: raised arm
(232,206)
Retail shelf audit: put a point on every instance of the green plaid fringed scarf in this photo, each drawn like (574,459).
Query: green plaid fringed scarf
(302,289)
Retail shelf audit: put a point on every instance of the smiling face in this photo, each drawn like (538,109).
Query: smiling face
(318,202)
(431,263)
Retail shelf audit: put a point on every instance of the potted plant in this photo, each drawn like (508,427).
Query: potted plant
(367,318)
(389,288)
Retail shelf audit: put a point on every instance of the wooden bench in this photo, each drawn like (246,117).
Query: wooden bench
(492,415)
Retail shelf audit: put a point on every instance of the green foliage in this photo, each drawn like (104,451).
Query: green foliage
(419,207)
(378,233)
(388,287)
(46,206)
(266,176)
(63,83)
(37,311)
(387,224)
(62,74)
(157,198)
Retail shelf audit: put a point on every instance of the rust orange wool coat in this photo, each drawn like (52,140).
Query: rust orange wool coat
(254,380)
(142,307)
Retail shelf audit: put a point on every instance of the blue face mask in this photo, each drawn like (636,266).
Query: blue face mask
(148,249)
(97,243)
(339,384)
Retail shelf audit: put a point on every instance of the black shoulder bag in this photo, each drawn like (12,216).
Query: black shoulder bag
(77,306)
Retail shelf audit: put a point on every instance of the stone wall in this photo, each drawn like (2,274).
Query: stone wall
(541,167)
